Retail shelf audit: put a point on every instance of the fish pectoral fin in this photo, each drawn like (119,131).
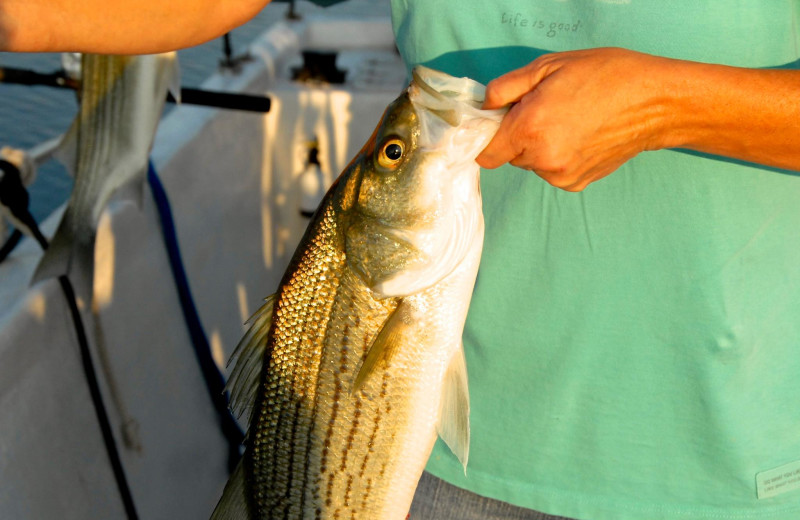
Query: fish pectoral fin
(393,333)
(248,360)
(453,426)
(233,503)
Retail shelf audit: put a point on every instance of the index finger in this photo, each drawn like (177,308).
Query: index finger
(511,86)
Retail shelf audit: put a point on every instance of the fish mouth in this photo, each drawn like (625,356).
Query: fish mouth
(448,89)
(417,76)
(449,98)
(424,78)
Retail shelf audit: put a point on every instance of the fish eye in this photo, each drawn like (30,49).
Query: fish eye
(391,153)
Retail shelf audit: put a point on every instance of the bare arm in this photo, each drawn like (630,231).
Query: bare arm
(117,26)
(580,115)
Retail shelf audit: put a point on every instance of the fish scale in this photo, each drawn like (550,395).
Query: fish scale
(299,325)
(319,460)
(346,449)
(306,425)
(359,351)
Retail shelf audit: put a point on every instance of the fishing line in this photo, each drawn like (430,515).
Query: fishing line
(10,244)
(14,198)
(215,382)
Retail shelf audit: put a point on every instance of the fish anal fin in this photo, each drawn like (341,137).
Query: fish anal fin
(394,332)
(453,426)
(233,503)
(248,360)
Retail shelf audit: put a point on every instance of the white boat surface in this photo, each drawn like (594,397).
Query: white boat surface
(233,181)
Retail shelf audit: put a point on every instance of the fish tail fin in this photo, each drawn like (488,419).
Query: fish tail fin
(233,504)
(453,426)
(70,256)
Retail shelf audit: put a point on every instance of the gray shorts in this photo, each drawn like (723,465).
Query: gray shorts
(435,499)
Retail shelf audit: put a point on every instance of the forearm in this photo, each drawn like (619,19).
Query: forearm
(118,26)
(748,114)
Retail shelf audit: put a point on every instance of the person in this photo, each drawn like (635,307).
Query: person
(632,339)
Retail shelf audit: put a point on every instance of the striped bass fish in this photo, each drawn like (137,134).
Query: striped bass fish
(354,365)
(107,147)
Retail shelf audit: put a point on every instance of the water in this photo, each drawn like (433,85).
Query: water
(32,115)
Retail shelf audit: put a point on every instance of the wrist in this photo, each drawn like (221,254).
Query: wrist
(677,115)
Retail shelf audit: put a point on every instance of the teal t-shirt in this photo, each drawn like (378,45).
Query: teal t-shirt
(634,349)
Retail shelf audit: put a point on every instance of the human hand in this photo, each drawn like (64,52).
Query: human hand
(577,116)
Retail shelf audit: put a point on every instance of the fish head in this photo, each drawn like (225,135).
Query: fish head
(414,212)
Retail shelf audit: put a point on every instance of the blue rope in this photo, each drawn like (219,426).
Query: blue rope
(215,382)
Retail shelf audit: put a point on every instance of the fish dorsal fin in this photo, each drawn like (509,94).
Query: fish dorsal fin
(249,360)
(233,504)
(453,426)
(393,333)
